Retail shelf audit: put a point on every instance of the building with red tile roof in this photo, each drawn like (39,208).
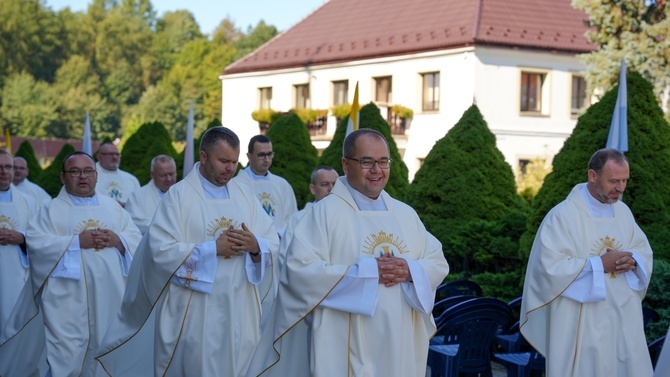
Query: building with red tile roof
(516,59)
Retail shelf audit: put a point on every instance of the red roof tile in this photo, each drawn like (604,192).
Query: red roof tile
(345,30)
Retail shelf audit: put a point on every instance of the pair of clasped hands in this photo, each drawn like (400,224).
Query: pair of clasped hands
(393,270)
(98,239)
(235,242)
(619,262)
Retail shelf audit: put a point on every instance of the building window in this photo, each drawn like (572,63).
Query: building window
(578,100)
(340,92)
(431,91)
(265,98)
(523,165)
(301,98)
(534,97)
(383,90)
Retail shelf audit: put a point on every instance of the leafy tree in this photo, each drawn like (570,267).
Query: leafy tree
(49,179)
(173,32)
(29,39)
(648,156)
(657,298)
(28,153)
(149,141)
(529,182)
(369,117)
(254,38)
(28,107)
(466,195)
(627,29)
(295,156)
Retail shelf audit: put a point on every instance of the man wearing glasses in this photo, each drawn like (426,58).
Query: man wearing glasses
(273,191)
(15,211)
(22,183)
(361,273)
(112,181)
(80,248)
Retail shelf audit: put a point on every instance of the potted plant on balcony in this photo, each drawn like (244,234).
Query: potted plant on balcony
(401,117)
(315,119)
(264,117)
(340,111)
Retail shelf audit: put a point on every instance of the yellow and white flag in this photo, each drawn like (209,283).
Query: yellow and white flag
(353,114)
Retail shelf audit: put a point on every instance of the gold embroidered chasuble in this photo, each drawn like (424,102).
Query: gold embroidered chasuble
(330,238)
(196,333)
(603,338)
(76,313)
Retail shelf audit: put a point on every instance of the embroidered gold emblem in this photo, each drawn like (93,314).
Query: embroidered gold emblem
(114,190)
(8,223)
(269,203)
(190,267)
(383,244)
(217,226)
(603,244)
(89,224)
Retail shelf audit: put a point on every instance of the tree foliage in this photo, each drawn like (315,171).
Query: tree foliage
(118,61)
(49,179)
(631,30)
(369,117)
(28,153)
(465,194)
(295,156)
(149,141)
(648,156)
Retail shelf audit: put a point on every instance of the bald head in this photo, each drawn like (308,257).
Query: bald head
(20,170)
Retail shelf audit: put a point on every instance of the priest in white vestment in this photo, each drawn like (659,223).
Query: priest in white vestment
(273,191)
(22,183)
(587,274)
(198,275)
(80,250)
(16,209)
(142,203)
(357,291)
(112,181)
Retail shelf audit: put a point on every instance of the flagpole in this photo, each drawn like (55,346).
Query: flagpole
(86,142)
(354,115)
(188,151)
(618,135)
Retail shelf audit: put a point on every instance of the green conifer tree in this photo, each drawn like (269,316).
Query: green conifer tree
(49,180)
(295,156)
(34,168)
(465,194)
(369,117)
(648,155)
(150,140)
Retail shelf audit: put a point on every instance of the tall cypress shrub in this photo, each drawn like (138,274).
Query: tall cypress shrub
(295,156)
(648,190)
(49,180)
(150,140)
(26,151)
(369,117)
(465,193)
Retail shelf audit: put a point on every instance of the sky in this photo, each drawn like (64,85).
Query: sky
(209,13)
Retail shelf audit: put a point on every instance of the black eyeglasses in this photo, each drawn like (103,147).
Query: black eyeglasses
(19,168)
(263,156)
(368,163)
(7,167)
(110,154)
(75,173)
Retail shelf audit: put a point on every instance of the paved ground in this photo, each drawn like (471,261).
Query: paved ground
(498,370)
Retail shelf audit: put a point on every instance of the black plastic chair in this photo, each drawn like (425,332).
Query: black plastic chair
(522,364)
(438,310)
(458,288)
(509,341)
(468,330)
(655,348)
